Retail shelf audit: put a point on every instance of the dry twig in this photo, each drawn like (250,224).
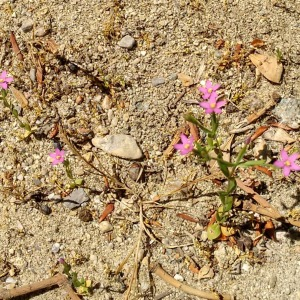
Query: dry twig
(59,280)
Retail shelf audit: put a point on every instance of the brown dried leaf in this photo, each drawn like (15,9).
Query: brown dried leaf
(15,47)
(257,43)
(185,79)
(259,132)
(52,46)
(219,44)
(187,217)
(269,230)
(264,170)
(268,66)
(20,97)
(108,209)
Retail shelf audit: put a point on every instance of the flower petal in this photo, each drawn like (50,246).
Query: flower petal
(220,103)
(294,167)
(279,164)
(294,157)
(284,155)
(184,139)
(286,171)
(209,110)
(208,84)
(3,85)
(216,87)
(204,104)
(213,96)
(179,146)
(217,110)
(9,79)
(3,75)
(202,89)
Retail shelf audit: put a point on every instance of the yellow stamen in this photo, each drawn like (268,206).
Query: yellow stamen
(2,80)
(58,157)
(210,90)
(186,146)
(287,163)
(213,105)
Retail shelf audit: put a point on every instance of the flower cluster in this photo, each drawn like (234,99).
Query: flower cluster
(57,157)
(287,163)
(209,93)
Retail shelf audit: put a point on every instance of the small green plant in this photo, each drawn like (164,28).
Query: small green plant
(4,83)
(211,150)
(82,286)
(58,156)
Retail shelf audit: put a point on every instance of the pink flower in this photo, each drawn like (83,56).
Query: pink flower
(287,163)
(4,80)
(209,91)
(212,105)
(57,157)
(187,145)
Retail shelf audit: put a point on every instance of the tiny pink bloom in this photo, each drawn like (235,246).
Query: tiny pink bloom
(57,157)
(187,145)
(209,90)
(212,105)
(287,163)
(4,80)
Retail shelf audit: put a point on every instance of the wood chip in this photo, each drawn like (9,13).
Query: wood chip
(185,79)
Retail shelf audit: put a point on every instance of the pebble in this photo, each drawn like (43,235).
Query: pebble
(288,112)
(272,282)
(76,198)
(85,215)
(173,76)
(27,25)
(127,42)
(41,31)
(157,81)
(120,145)
(55,248)
(88,156)
(105,226)
(179,277)
(32,74)
(106,103)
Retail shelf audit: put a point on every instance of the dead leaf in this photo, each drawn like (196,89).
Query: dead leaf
(268,66)
(269,230)
(194,131)
(259,132)
(187,217)
(185,79)
(206,272)
(279,135)
(227,231)
(237,50)
(257,43)
(108,209)
(15,46)
(264,170)
(19,96)
(52,46)
(219,44)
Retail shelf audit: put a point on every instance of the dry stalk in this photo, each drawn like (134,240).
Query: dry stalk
(59,280)
(159,271)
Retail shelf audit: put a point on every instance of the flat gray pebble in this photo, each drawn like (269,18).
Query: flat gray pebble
(41,31)
(105,226)
(76,198)
(121,145)
(158,81)
(27,25)
(127,42)
(288,112)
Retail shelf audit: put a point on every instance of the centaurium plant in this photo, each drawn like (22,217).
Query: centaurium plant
(210,150)
(5,80)
(58,157)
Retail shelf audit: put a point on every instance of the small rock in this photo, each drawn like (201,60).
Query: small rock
(179,277)
(157,81)
(88,156)
(79,99)
(106,103)
(55,248)
(41,31)
(27,25)
(288,112)
(121,145)
(32,74)
(206,272)
(10,280)
(204,236)
(76,198)
(173,76)
(105,226)
(185,79)
(45,209)
(127,42)
(272,282)
(135,171)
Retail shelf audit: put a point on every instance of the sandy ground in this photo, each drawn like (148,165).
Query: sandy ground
(94,87)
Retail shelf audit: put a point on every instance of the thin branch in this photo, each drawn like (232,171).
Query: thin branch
(159,271)
(59,280)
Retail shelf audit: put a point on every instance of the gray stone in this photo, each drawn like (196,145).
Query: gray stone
(121,145)
(41,31)
(32,74)
(27,25)
(55,248)
(157,81)
(288,112)
(76,198)
(127,42)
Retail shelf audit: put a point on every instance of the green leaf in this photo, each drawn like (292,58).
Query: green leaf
(252,163)
(231,185)
(79,181)
(213,231)
(228,204)
(223,168)
(15,112)
(241,155)
(226,163)
(27,127)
